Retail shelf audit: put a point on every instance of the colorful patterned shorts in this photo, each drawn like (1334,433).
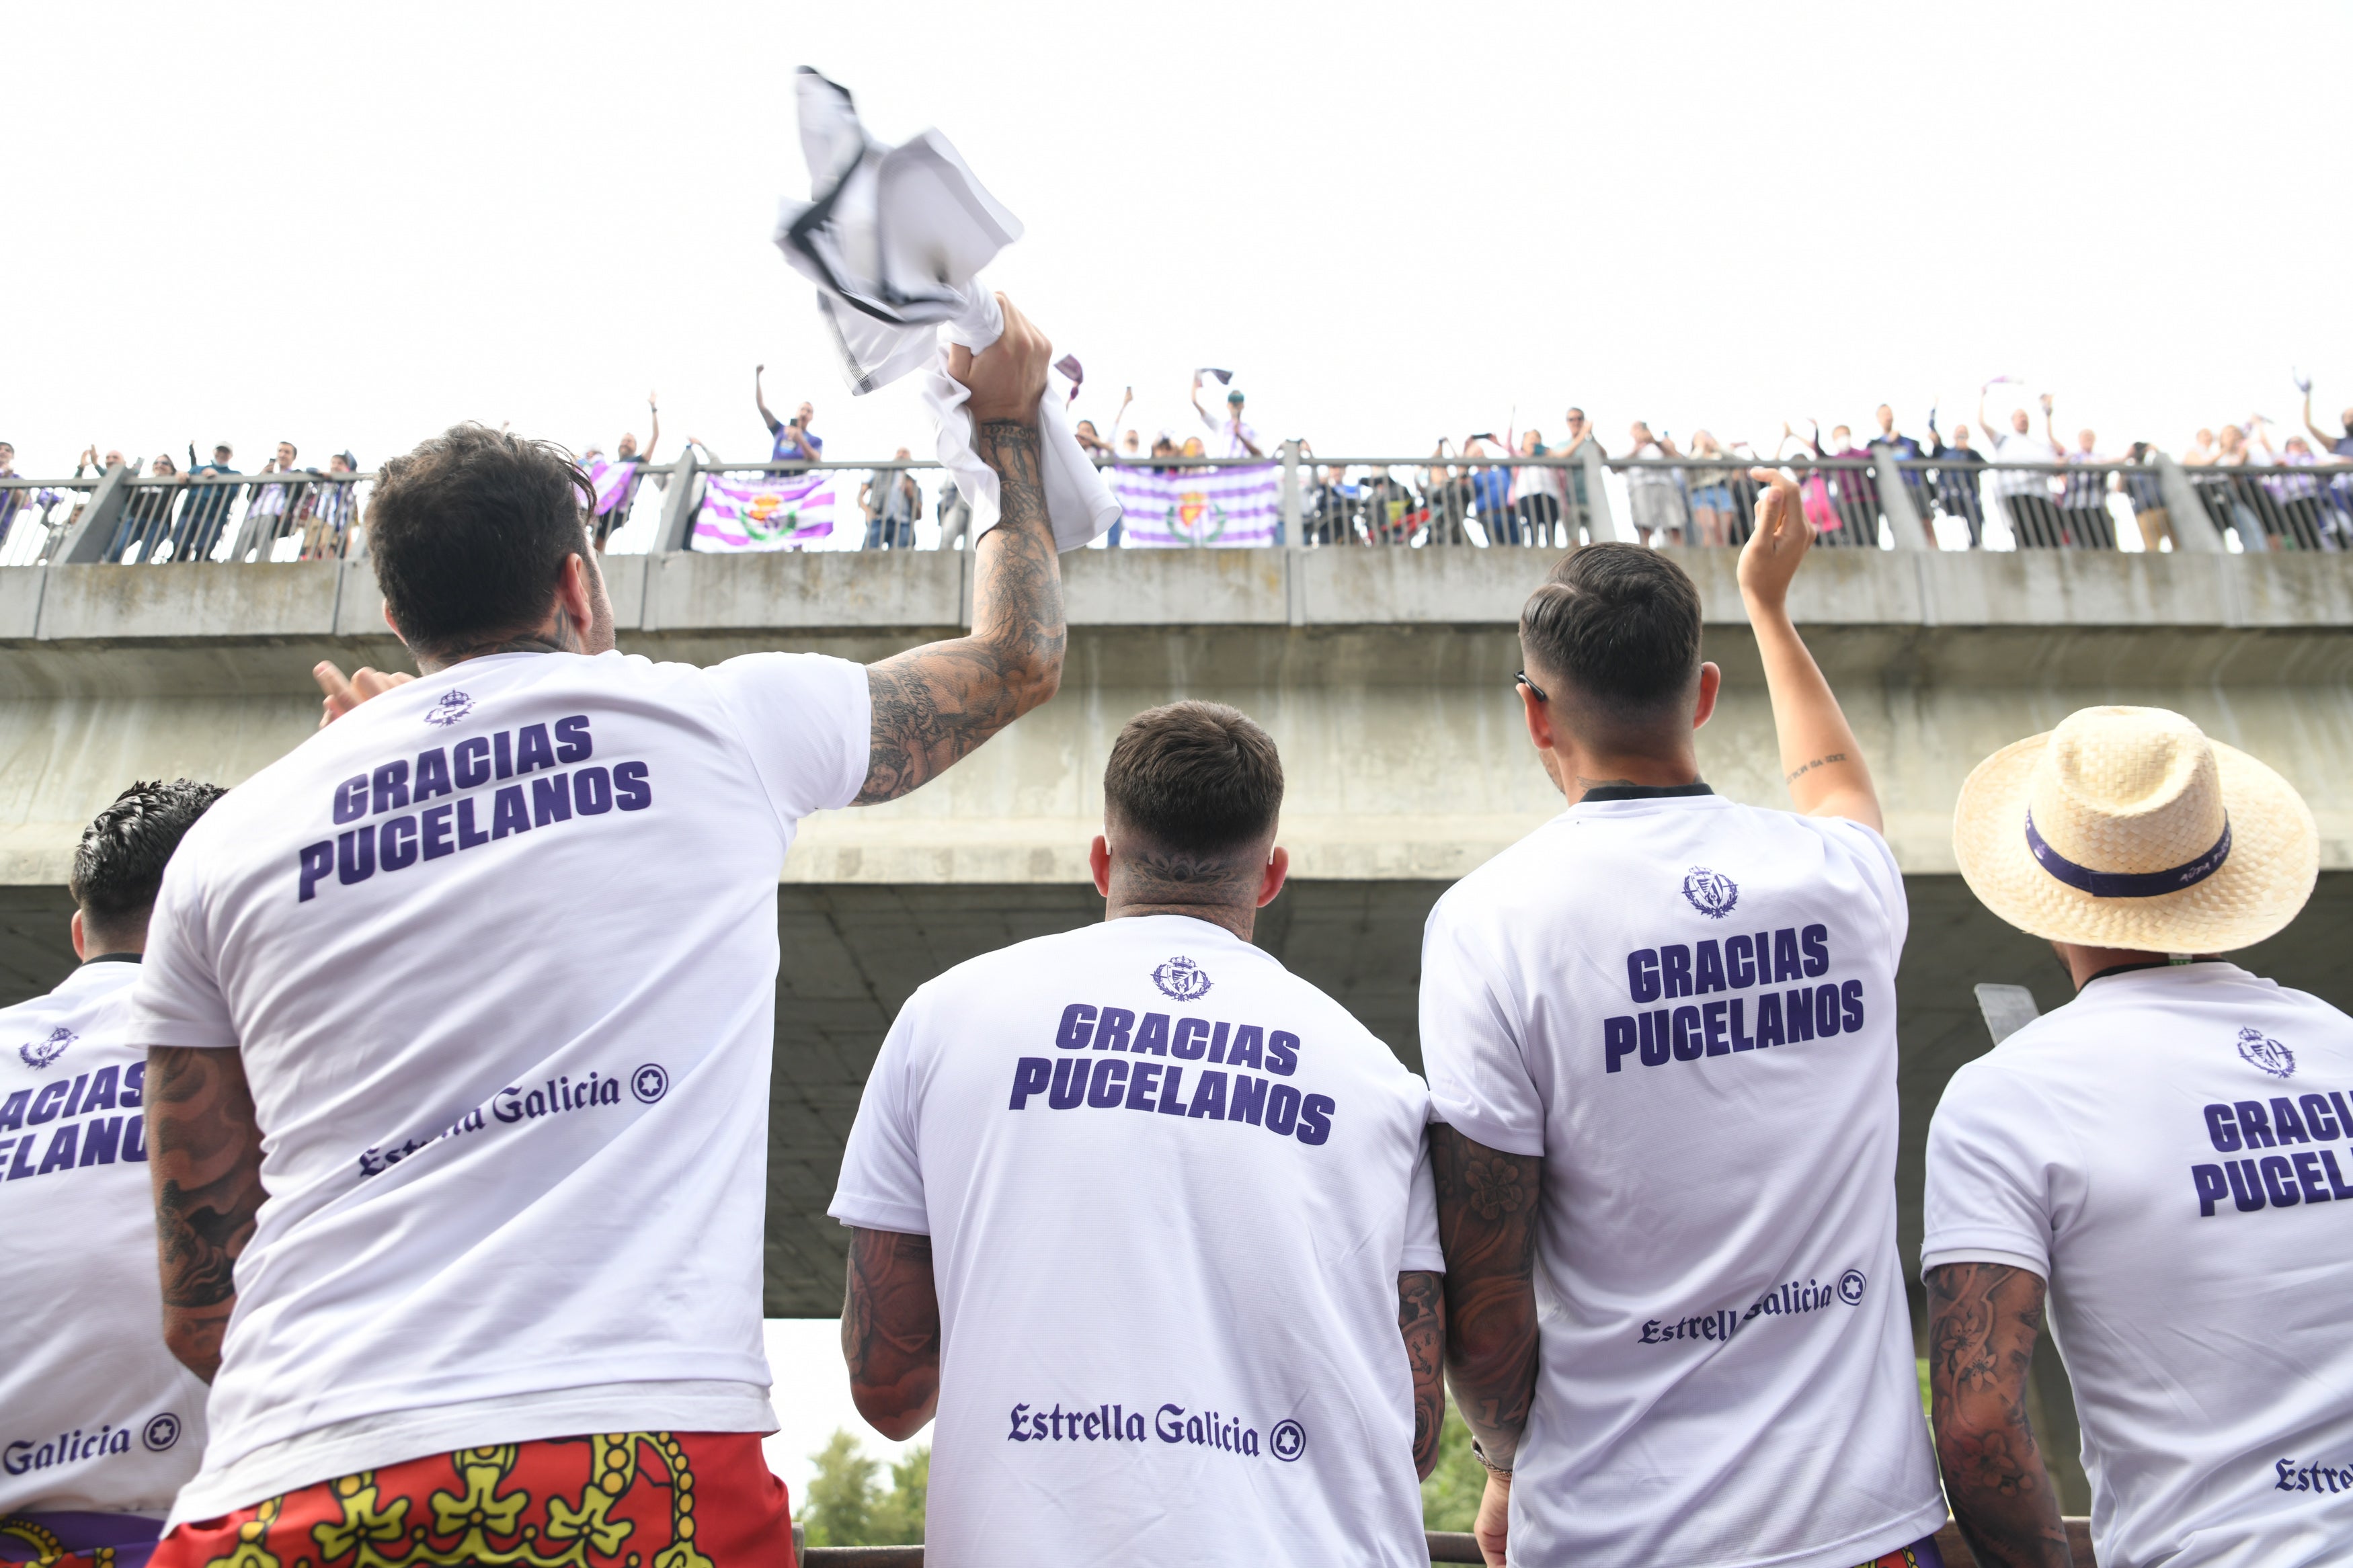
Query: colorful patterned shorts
(1921,1553)
(77,1539)
(631,1499)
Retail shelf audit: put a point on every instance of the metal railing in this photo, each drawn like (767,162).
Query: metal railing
(1950,500)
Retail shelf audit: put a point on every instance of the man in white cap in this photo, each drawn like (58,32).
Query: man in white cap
(2150,1155)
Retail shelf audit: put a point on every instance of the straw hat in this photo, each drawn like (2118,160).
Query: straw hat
(2127,828)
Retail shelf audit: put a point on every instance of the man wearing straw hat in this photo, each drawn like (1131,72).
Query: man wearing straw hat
(2164,1157)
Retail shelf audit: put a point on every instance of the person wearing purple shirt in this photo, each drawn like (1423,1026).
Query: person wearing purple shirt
(795,441)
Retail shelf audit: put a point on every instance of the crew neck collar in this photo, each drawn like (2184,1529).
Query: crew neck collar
(111,958)
(1601,793)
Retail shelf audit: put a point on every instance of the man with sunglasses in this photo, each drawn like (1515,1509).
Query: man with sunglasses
(1660,1041)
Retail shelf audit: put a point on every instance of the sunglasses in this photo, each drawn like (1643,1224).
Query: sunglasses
(1520,679)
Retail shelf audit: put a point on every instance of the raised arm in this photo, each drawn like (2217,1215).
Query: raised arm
(1487,1229)
(1983,1321)
(890,1331)
(1422,1318)
(934,704)
(2328,442)
(1822,763)
(205,1163)
(761,398)
(653,409)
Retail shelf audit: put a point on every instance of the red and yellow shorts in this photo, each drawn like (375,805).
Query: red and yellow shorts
(631,1500)
(1919,1554)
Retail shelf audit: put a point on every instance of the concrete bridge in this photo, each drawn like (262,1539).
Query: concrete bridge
(1384,675)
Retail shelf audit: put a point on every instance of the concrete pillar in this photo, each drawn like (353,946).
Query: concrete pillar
(2192,529)
(1289,530)
(678,506)
(1597,499)
(90,537)
(1904,518)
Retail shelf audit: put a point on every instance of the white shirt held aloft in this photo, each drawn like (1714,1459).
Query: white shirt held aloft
(1687,1007)
(2172,1151)
(95,1414)
(1169,1188)
(499,948)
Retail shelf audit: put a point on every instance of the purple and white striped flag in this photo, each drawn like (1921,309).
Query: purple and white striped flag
(1199,508)
(764,512)
(611,483)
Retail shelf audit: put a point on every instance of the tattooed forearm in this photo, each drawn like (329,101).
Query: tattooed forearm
(1422,1318)
(1805,768)
(891,1330)
(1487,1227)
(1983,1321)
(205,1162)
(933,705)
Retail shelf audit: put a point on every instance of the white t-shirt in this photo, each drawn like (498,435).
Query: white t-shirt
(1169,1188)
(2016,447)
(1234,433)
(1687,1007)
(95,1414)
(499,948)
(2169,1151)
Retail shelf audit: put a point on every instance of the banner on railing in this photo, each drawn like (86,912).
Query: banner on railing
(611,483)
(1197,507)
(776,511)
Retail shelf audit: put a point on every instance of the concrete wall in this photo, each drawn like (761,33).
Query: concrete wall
(1383,673)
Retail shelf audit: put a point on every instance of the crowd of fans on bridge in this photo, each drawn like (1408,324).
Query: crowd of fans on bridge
(1515,488)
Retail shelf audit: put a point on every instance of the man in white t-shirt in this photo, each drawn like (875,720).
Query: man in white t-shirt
(1146,1219)
(2025,492)
(1661,1038)
(99,1424)
(1233,435)
(2166,1157)
(459,1021)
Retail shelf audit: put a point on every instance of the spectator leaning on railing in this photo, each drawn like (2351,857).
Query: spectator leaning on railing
(892,501)
(2147,494)
(795,441)
(2025,493)
(326,531)
(1653,494)
(205,511)
(1238,439)
(2083,499)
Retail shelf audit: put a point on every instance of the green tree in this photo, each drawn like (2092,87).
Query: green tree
(1449,1498)
(844,1507)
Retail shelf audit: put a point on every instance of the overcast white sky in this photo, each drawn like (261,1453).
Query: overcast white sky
(353,226)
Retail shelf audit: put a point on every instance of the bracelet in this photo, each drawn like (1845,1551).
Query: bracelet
(1501,1472)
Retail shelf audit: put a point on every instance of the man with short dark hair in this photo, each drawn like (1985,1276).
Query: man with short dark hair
(99,1425)
(1145,1219)
(206,513)
(1661,1038)
(460,1018)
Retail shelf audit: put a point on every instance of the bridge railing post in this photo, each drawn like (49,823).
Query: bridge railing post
(87,541)
(678,506)
(1289,530)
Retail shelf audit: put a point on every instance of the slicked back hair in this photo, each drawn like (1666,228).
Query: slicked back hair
(469,533)
(1619,624)
(1197,780)
(119,864)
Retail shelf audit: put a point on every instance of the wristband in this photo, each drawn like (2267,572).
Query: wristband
(1501,1472)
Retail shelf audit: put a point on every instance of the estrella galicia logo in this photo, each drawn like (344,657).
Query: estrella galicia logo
(1850,1287)
(2266,1054)
(41,1053)
(161,1433)
(649,1083)
(1712,893)
(1287,1441)
(453,706)
(1182,979)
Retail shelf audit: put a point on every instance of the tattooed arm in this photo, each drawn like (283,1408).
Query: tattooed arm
(934,704)
(1487,1229)
(1422,1318)
(890,1331)
(1983,1320)
(204,1160)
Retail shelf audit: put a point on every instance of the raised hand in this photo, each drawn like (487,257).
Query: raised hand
(342,696)
(1008,378)
(1783,536)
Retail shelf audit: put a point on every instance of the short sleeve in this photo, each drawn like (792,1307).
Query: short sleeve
(882,1185)
(1992,1149)
(1471,1041)
(1868,848)
(808,722)
(176,1001)
(1422,1253)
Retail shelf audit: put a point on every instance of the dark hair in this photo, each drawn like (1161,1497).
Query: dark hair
(469,533)
(1194,778)
(119,864)
(1619,623)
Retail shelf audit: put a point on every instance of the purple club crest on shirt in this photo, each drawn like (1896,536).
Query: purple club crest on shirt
(453,706)
(41,1053)
(2266,1054)
(1182,979)
(1712,893)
